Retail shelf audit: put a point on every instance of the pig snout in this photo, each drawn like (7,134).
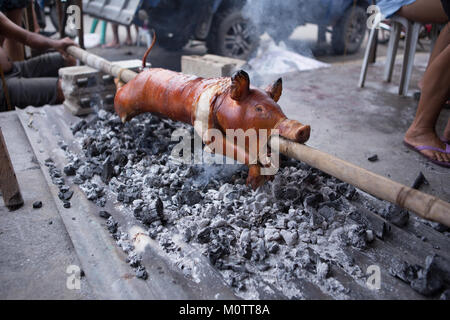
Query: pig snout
(294,130)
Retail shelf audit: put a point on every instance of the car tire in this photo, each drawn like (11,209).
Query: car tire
(349,31)
(232,35)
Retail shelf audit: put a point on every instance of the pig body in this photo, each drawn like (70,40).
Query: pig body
(217,103)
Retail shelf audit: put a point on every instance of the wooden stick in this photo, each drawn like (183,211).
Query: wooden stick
(424,205)
(8,180)
(99,63)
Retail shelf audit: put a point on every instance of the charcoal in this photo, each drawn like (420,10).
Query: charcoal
(404,270)
(104,214)
(289,237)
(190,197)
(396,215)
(427,284)
(419,181)
(69,170)
(373,158)
(445,295)
(111,225)
(119,158)
(64,188)
(37,204)
(93,151)
(327,212)
(78,180)
(216,251)
(322,270)
(49,162)
(204,235)
(107,171)
(65,196)
(259,250)
(371,221)
(274,248)
(78,126)
(66,204)
(141,273)
(313,200)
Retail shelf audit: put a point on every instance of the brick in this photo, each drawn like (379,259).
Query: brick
(210,66)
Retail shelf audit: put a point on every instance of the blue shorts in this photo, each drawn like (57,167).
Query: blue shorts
(389,7)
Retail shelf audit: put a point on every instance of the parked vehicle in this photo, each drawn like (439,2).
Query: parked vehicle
(345,19)
(218,22)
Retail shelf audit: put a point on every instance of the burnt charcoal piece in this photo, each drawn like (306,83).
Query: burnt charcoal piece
(93,151)
(371,221)
(396,215)
(69,170)
(420,180)
(107,171)
(445,295)
(78,180)
(204,235)
(313,200)
(431,279)
(216,251)
(403,270)
(111,224)
(119,158)
(290,193)
(141,273)
(79,126)
(427,284)
(120,197)
(104,214)
(190,197)
(65,196)
(66,204)
(37,205)
(327,212)
(373,158)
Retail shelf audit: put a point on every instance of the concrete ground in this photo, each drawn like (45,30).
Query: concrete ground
(35,248)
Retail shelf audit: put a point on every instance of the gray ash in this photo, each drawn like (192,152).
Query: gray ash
(294,227)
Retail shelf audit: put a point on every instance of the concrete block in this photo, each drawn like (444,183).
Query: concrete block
(210,66)
(83,85)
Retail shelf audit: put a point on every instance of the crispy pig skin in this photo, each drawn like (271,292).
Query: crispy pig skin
(216,103)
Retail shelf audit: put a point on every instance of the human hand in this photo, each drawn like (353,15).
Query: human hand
(62,45)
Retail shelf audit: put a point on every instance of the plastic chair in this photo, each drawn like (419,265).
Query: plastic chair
(412,35)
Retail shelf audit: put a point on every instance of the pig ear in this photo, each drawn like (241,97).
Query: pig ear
(240,85)
(275,90)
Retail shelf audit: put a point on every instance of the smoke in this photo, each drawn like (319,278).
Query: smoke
(277,54)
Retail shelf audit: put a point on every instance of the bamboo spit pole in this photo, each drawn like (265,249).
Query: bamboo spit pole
(424,205)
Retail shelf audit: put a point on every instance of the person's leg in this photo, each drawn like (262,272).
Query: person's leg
(425,11)
(13,48)
(45,65)
(435,93)
(115,43)
(129,40)
(36,92)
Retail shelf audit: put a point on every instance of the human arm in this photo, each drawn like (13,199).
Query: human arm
(9,29)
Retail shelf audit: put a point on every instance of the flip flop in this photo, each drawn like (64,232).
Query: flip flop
(422,148)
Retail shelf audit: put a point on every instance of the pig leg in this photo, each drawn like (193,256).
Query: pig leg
(254,179)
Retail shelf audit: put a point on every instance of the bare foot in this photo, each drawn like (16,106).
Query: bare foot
(446,135)
(129,42)
(112,45)
(427,137)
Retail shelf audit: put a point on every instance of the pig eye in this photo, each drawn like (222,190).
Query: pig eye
(259,109)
